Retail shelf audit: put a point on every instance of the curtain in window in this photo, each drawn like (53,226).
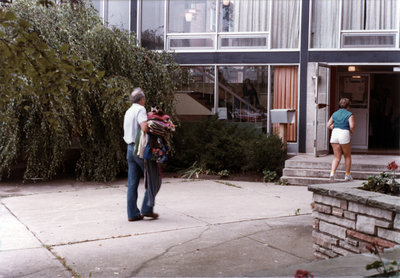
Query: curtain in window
(381,14)
(369,14)
(285,24)
(285,96)
(325,24)
(353,15)
(250,15)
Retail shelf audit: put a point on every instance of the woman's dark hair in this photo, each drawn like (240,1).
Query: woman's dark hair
(344,103)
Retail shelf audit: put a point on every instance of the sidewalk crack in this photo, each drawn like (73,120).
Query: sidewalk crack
(144,264)
(47,247)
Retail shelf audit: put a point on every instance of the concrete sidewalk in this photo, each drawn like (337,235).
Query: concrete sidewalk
(206,228)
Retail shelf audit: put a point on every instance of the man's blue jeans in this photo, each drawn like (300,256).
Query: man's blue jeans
(135,172)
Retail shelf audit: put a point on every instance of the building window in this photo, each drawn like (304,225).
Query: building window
(195,99)
(369,14)
(241,94)
(225,24)
(115,13)
(197,42)
(355,24)
(285,26)
(243,24)
(285,91)
(244,16)
(152,35)
(118,13)
(191,16)
(325,24)
(191,24)
(99,6)
(369,23)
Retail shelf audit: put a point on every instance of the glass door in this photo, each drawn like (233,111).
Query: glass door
(321,101)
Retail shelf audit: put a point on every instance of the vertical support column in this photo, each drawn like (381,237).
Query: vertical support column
(269,100)
(216,87)
(305,24)
(106,8)
(135,19)
(166,27)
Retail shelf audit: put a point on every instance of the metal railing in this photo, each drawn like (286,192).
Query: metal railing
(236,106)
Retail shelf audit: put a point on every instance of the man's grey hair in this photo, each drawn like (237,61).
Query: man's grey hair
(136,95)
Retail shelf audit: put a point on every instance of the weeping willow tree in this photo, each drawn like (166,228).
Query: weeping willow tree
(64,77)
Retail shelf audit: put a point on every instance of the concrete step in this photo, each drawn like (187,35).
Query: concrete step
(369,167)
(307,181)
(319,173)
(306,169)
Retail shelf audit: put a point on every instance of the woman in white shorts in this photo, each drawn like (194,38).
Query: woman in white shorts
(342,125)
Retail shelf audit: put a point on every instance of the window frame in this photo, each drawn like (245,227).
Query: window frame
(217,35)
(269,67)
(342,32)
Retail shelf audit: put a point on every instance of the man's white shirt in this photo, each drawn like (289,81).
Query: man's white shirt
(135,115)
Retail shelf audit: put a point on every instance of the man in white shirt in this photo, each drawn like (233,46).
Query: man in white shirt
(134,120)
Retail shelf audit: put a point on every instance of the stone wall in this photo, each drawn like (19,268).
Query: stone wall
(346,219)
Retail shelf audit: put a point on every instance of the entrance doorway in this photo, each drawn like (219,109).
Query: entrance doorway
(384,114)
(356,88)
(375,95)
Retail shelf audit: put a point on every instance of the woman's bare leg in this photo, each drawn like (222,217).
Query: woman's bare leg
(346,148)
(337,156)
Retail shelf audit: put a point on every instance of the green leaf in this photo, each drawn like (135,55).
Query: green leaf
(64,48)
(100,74)
(56,93)
(10,16)
(42,46)
(23,23)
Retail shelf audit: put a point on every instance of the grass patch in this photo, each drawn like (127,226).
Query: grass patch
(229,184)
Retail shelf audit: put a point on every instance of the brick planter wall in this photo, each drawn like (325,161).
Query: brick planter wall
(346,219)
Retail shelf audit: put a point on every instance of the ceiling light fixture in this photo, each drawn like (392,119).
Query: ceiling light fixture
(188,17)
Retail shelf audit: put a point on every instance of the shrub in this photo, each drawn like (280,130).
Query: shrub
(217,145)
(269,175)
(223,173)
(37,89)
(66,76)
(265,152)
(384,182)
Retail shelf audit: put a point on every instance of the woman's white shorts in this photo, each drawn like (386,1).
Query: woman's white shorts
(340,136)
